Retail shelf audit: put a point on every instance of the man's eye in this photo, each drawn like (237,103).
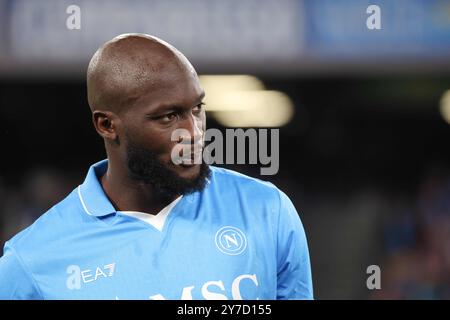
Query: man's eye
(198,108)
(169,117)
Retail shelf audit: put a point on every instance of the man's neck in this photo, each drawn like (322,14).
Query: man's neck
(127,194)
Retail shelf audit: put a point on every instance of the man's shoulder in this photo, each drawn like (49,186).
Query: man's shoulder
(234,176)
(49,226)
(227,179)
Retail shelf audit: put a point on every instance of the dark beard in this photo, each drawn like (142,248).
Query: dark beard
(144,166)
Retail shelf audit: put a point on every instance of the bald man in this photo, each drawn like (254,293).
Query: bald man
(144,225)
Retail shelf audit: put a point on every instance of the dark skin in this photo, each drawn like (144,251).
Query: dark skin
(143,89)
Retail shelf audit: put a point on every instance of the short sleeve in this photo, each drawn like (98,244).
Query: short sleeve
(15,282)
(294,280)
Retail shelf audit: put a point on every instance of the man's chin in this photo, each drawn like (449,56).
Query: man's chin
(188,171)
(191,178)
(167,179)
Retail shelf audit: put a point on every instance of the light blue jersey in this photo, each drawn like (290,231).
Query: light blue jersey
(239,238)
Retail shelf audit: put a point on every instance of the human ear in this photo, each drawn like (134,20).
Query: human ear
(105,124)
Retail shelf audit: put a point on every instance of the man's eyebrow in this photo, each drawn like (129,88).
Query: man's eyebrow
(174,107)
(165,108)
(200,98)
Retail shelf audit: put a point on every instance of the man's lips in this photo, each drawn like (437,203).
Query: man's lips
(194,158)
(185,165)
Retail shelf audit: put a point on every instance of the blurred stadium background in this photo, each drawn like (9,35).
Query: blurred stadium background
(363,114)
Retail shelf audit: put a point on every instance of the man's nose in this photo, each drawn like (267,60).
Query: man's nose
(194,126)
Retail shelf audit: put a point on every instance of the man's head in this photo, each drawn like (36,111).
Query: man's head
(140,90)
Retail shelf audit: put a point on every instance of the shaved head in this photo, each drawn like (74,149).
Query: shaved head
(130,66)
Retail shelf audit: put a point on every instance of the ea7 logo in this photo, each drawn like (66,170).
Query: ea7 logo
(78,276)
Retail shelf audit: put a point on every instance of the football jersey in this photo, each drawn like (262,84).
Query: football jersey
(238,238)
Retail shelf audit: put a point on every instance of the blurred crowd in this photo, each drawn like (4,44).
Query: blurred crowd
(417,244)
(22,203)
